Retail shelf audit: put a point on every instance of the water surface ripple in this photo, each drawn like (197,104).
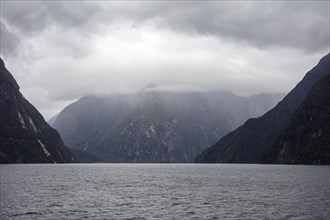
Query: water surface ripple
(164,191)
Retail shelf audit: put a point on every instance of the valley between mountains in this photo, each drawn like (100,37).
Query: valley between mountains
(155,126)
(162,126)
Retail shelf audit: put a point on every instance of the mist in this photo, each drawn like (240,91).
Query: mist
(58,54)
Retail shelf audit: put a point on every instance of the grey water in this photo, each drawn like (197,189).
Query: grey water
(164,191)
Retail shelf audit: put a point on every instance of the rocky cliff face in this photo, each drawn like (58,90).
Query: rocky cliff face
(251,141)
(306,140)
(155,126)
(25,137)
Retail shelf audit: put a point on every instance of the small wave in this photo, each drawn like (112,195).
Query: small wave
(123,204)
(191,213)
(54,205)
(26,213)
(33,213)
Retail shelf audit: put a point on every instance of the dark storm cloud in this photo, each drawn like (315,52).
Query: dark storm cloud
(8,41)
(61,50)
(303,25)
(298,24)
(34,16)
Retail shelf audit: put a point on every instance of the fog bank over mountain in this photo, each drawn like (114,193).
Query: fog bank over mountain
(58,54)
(155,125)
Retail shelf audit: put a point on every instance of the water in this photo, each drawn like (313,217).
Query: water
(164,191)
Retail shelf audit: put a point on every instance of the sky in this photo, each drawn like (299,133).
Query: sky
(59,51)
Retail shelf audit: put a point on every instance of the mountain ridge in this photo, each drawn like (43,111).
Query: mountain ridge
(304,140)
(249,142)
(154,126)
(25,136)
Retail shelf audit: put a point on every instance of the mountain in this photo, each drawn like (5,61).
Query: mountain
(25,137)
(153,125)
(52,120)
(249,142)
(84,157)
(306,139)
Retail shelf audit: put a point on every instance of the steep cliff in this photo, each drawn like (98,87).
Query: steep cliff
(155,126)
(249,142)
(25,137)
(306,140)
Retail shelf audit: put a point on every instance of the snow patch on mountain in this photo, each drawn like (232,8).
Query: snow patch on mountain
(44,148)
(21,120)
(32,124)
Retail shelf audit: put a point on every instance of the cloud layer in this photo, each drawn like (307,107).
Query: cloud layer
(59,51)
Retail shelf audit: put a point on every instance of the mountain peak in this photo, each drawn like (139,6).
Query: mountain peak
(154,126)
(249,142)
(325,59)
(2,64)
(25,136)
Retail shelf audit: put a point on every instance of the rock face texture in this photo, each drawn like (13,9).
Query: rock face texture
(306,140)
(25,137)
(252,140)
(155,126)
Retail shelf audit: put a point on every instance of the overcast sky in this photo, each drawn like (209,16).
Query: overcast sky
(59,51)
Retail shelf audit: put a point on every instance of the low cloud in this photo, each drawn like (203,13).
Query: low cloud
(9,42)
(303,25)
(58,54)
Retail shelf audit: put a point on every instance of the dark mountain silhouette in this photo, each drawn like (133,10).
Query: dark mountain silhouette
(25,137)
(249,142)
(84,157)
(306,140)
